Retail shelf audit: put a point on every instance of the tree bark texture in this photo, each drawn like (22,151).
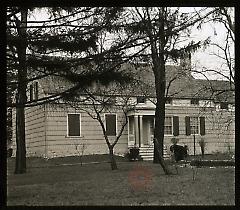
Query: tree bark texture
(160,86)
(112,159)
(21,97)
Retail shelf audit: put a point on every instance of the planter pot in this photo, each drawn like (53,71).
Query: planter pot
(134,153)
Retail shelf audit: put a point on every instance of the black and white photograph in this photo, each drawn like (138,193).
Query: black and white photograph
(120,106)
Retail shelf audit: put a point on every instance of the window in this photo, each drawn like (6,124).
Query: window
(171,126)
(111,124)
(168,126)
(224,105)
(192,125)
(74,124)
(141,99)
(168,101)
(195,101)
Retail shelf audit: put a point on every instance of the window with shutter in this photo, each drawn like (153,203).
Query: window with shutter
(168,126)
(175,125)
(111,124)
(192,125)
(74,124)
(194,129)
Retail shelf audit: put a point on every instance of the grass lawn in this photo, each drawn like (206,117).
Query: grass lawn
(134,183)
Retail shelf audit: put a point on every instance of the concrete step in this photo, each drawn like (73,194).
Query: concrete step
(148,154)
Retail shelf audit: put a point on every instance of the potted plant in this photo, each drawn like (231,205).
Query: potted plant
(133,153)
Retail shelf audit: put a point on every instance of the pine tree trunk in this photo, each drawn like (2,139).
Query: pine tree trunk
(160,86)
(21,98)
(159,120)
(20,166)
(112,159)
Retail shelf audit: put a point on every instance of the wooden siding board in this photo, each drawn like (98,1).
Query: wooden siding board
(34,126)
(91,132)
(213,122)
(56,131)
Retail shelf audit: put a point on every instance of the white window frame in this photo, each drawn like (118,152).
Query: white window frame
(105,122)
(172,126)
(198,124)
(80,122)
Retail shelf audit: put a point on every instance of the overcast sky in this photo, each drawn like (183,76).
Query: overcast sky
(202,58)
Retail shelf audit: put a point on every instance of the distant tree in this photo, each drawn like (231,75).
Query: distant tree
(111,100)
(224,50)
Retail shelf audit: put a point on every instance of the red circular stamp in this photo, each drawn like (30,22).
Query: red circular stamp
(140,178)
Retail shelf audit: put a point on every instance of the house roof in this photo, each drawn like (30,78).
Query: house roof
(181,85)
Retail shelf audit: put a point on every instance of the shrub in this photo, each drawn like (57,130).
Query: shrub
(202,145)
(174,140)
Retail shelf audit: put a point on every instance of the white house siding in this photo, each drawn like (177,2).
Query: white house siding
(59,144)
(35,131)
(218,137)
(53,142)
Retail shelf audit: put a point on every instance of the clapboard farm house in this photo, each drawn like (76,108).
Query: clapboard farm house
(195,109)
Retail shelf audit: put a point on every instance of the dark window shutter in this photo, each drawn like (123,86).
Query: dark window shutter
(73,124)
(110,124)
(175,125)
(187,123)
(31,92)
(202,126)
(36,91)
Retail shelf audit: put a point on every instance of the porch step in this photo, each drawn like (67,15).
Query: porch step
(146,152)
